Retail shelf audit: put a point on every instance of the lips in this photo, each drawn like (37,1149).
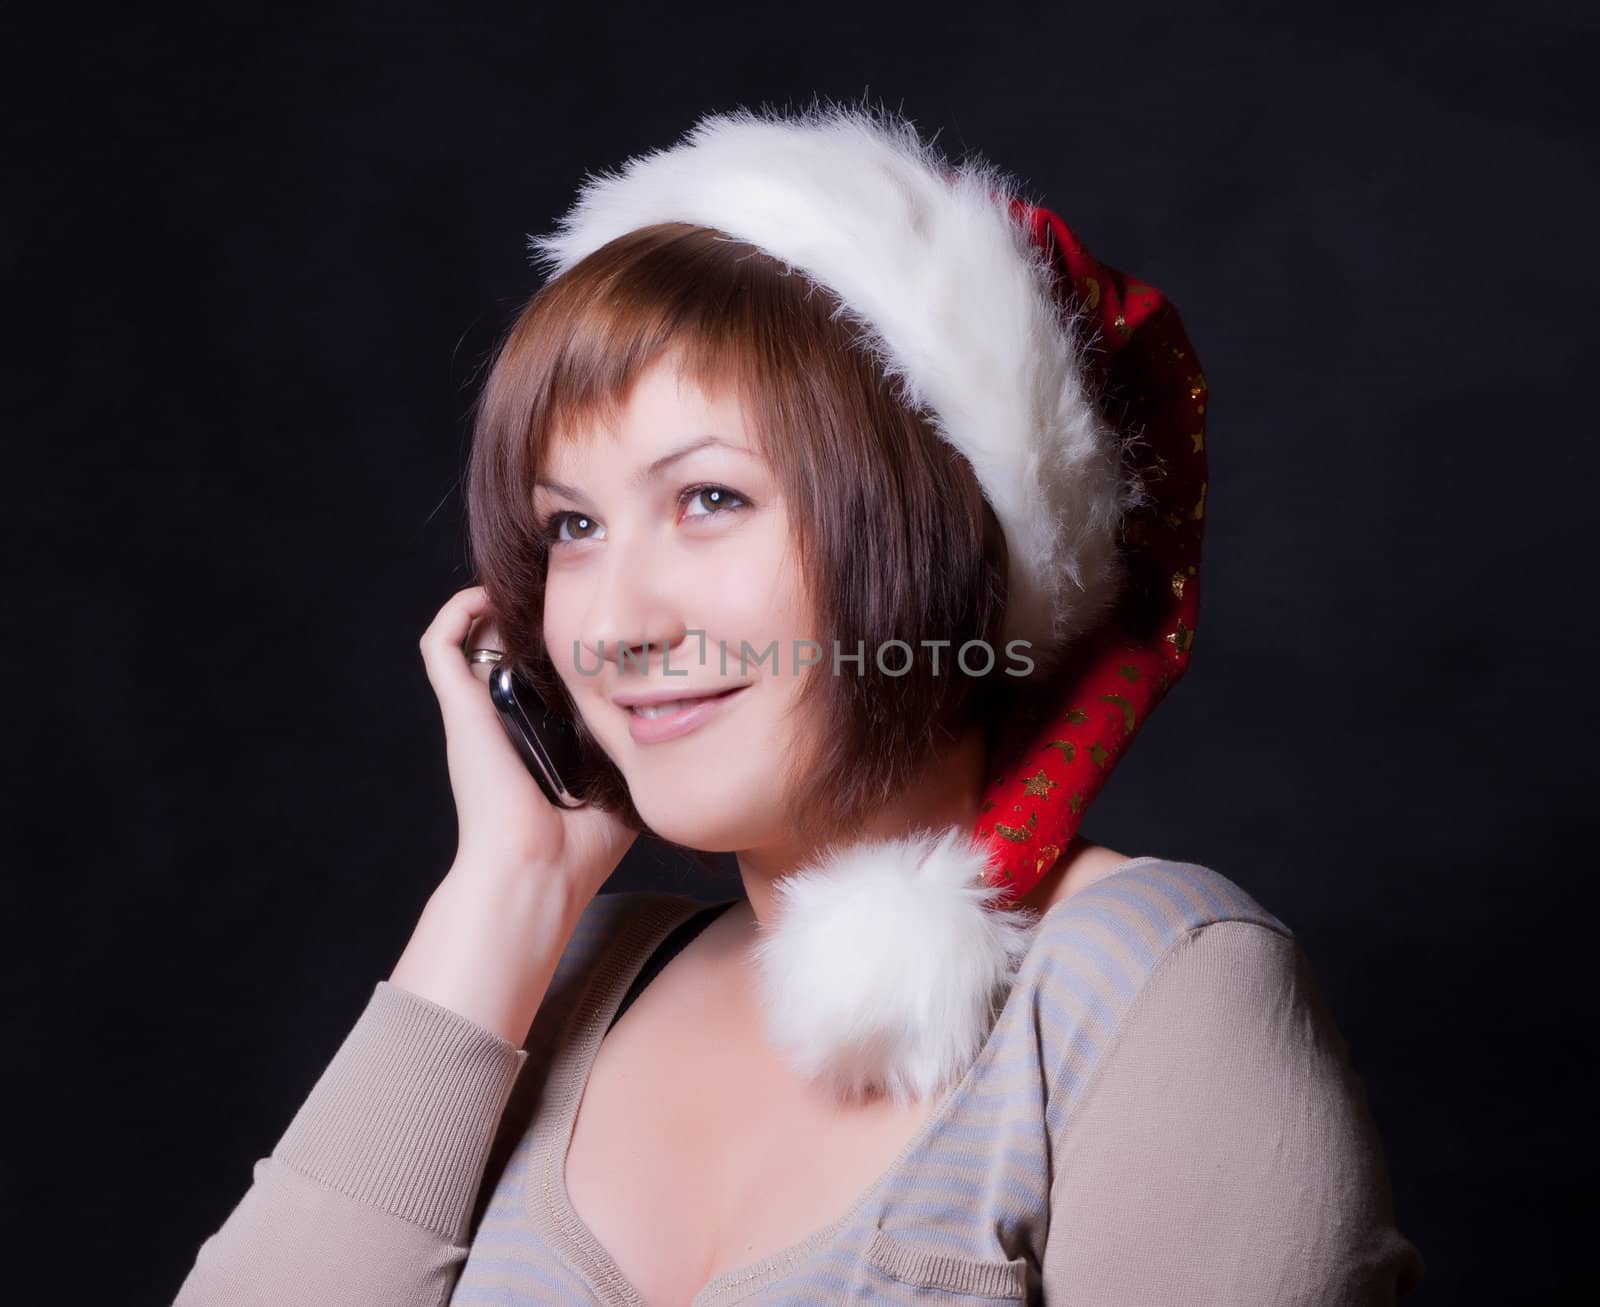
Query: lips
(652,723)
(650,711)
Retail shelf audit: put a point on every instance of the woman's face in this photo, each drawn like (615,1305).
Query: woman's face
(669,553)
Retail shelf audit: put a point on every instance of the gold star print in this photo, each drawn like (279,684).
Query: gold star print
(1130,673)
(988,803)
(1177,585)
(1197,385)
(1077,802)
(1047,855)
(1199,510)
(1098,753)
(1182,638)
(1018,834)
(1038,785)
(1199,438)
(1066,747)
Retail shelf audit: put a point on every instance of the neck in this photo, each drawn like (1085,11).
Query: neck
(946,794)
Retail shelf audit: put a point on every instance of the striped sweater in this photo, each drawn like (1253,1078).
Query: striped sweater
(1163,1112)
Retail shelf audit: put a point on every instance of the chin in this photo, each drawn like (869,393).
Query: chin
(706,817)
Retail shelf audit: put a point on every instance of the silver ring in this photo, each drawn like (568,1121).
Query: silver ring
(485,655)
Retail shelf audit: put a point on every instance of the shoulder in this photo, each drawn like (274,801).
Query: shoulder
(1114,935)
(1185,894)
(1202,1064)
(1159,934)
(1096,958)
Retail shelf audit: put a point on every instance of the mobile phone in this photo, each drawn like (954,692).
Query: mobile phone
(547,741)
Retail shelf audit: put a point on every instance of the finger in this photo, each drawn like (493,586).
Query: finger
(484,634)
(481,672)
(442,643)
(455,618)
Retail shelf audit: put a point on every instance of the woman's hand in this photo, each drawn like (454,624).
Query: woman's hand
(493,932)
(505,824)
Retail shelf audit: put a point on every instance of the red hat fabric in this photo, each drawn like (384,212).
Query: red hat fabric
(1062,743)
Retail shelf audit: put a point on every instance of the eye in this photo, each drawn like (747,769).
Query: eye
(720,499)
(553,527)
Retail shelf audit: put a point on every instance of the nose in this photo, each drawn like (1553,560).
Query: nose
(633,619)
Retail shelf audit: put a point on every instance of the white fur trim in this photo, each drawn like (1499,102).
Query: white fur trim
(887,964)
(949,293)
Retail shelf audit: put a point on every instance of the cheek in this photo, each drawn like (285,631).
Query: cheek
(754,615)
(766,603)
(761,592)
(560,628)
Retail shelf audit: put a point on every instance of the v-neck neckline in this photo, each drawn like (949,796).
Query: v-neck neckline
(545,1189)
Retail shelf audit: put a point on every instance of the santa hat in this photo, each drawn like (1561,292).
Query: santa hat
(1074,394)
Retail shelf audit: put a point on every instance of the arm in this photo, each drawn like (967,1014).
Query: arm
(366,1198)
(1223,1151)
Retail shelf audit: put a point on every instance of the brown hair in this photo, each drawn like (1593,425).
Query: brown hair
(896,539)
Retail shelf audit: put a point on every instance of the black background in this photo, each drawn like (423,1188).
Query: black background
(254,264)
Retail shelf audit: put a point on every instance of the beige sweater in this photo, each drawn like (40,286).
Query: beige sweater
(1164,1112)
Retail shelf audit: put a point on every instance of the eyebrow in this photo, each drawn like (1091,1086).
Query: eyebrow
(655,468)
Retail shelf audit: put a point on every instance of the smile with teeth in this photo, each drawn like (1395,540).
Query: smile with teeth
(660,709)
(650,711)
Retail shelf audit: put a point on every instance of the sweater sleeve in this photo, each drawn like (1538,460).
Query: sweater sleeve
(367,1196)
(1223,1151)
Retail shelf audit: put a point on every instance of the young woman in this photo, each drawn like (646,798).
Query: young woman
(852,512)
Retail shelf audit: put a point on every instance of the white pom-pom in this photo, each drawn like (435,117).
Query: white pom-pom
(888,963)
